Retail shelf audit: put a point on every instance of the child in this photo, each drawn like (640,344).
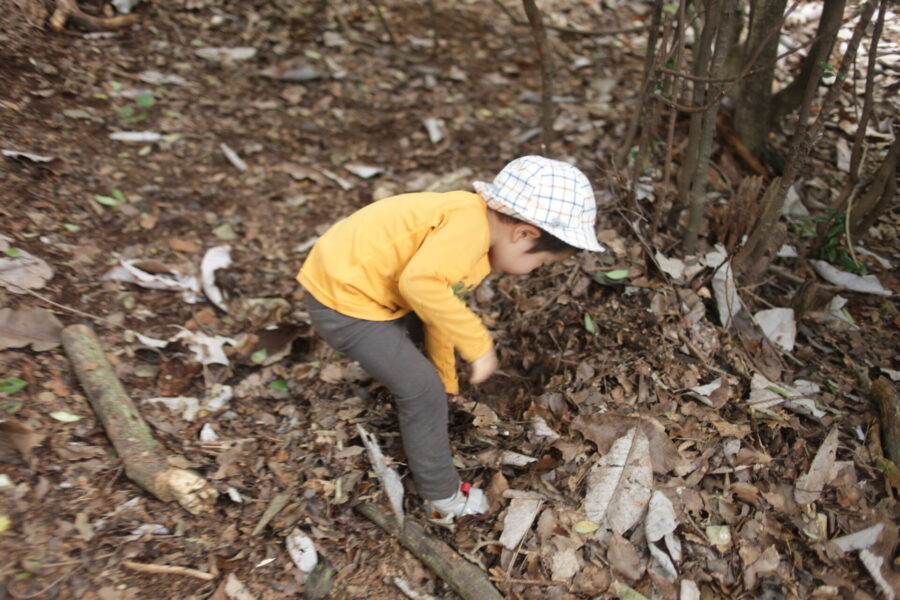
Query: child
(424,252)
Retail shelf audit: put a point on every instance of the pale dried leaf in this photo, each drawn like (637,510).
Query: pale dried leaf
(779,325)
(214,259)
(725,291)
(809,486)
(865,284)
(662,564)
(859,540)
(519,517)
(620,484)
(689,590)
(235,590)
(393,487)
(766,563)
(660,517)
(32,326)
(302,551)
(564,560)
(22,272)
(874,564)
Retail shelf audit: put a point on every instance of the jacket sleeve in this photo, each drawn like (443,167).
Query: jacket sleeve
(446,257)
(440,351)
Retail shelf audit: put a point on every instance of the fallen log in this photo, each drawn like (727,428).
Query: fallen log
(69,11)
(142,455)
(466,579)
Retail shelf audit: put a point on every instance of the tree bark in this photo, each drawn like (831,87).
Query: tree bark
(753,105)
(725,23)
(788,99)
(540,41)
(466,579)
(68,11)
(884,393)
(142,455)
(879,195)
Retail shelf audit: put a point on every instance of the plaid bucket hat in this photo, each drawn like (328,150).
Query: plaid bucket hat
(549,194)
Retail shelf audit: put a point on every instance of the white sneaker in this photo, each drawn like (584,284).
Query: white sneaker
(467,500)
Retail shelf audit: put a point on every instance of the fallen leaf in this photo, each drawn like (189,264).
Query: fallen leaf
(214,259)
(809,486)
(19,436)
(865,284)
(604,429)
(623,557)
(302,551)
(660,517)
(620,484)
(393,487)
(779,325)
(23,271)
(32,326)
(521,514)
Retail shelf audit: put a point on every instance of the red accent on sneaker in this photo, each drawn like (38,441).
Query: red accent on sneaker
(464,488)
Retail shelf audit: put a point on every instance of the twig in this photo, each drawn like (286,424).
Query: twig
(73,310)
(167,570)
(384,23)
(278,502)
(516,581)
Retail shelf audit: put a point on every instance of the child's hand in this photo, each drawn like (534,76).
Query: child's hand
(484,366)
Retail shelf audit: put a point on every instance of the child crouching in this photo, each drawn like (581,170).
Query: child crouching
(424,252)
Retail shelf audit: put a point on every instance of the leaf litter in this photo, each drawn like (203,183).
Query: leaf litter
(602,367)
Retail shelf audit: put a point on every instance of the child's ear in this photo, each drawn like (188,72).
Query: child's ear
(525,231)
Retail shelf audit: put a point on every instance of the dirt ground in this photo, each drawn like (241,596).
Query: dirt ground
(573,346)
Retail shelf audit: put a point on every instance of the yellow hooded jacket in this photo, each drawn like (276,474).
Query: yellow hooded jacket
(422,252)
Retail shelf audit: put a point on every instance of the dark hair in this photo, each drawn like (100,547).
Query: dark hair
(545,243)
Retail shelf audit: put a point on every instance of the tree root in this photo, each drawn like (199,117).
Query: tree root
(68,11)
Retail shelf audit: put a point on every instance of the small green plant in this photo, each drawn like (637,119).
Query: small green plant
(834,249)
(132,113)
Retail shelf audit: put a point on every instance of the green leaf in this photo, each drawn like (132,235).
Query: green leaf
(197,43)
(12,253)
(105,200)
(72,227)
(116,86)
(118,195)
(279,385)
(259,355)
(586,527)
(11,385)
(589,324)
(145,100)
(670,8)
(126,112)
(65,417)
(616,274)
(145,150)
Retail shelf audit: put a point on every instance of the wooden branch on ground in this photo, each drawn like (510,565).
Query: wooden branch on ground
(884,393)
(143,456)
(466,579)
(69,11)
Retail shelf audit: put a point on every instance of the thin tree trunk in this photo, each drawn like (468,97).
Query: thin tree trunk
(882,192)
(143,457)
(801,145)
(701,68)
(788,99)
(540,40)
(724,40)
(753,106)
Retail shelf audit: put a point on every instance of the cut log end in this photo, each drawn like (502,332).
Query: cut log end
(187,488)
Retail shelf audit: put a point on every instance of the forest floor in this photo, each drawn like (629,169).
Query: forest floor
(585,358)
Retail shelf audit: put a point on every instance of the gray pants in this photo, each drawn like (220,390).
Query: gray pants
(386,351)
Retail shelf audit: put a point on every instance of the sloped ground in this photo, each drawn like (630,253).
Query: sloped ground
(570,383)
